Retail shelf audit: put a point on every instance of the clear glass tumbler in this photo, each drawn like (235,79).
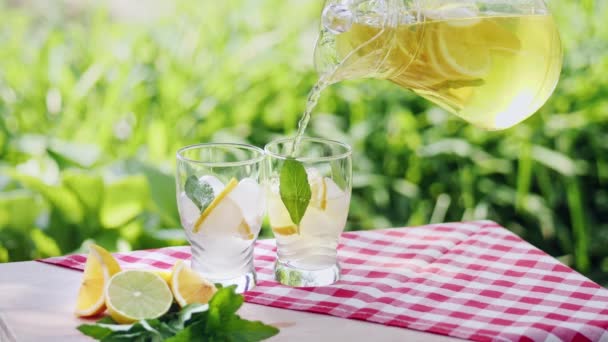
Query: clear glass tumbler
(221,207)
(308,197)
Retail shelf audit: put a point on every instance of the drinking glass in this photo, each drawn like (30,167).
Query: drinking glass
(221,207)
(307,250)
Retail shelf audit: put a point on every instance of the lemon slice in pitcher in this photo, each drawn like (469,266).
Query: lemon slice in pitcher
(463,49)
(134,295)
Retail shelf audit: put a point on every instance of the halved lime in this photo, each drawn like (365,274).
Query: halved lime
(133,295)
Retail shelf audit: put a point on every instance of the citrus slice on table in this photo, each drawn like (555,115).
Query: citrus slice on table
(214,204)
(189,287)
(100,266)
(134,295)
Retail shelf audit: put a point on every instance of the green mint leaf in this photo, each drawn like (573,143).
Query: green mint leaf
(216,321)
(222,307)
(238,329)
(186,335)
(200,193)
(106,320)
(188,312)
(95,331)
(226,300)
(294,189)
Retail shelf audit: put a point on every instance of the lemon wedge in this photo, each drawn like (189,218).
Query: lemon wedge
(100,266)
(190,287)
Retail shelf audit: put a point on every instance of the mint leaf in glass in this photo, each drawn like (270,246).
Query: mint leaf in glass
(200,193)
(294,189)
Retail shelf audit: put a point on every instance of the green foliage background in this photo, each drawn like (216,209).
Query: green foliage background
(93,108)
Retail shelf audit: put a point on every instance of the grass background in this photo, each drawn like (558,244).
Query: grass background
(94,104)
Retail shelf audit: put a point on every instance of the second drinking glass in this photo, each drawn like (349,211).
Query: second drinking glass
(308,197)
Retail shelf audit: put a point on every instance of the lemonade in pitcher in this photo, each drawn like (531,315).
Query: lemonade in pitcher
(492,64)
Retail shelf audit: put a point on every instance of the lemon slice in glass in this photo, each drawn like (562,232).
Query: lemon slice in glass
(279,218)
(286,230)
(214,204)
(100,266)
(134,295)
(318,189)
(190,287)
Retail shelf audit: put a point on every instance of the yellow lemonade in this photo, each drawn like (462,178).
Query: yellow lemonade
(493,71)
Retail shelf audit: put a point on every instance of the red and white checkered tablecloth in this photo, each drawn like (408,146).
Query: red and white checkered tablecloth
(474,281)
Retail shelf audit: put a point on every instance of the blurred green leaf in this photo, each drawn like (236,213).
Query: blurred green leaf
(18,209)
(45,245)
(555,160)
(60,198)
(87,186)
(162,190)
(124,200)
(18,244)
(4,256)
(579,226)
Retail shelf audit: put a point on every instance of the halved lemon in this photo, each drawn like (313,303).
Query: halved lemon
(190,287)
(134,295)
(216,201)
(100,266)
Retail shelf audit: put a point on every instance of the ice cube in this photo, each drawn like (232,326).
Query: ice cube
(316,222)
(338,201)
(188,212)
(332,189)
(224,219)
(215,183)
(313,175)
(249,197)
(277,213)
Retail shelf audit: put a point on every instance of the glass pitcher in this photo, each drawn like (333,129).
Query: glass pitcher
(491,62)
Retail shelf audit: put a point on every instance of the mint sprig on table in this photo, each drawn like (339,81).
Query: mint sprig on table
(294,189)
(200,193)
(196,322)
